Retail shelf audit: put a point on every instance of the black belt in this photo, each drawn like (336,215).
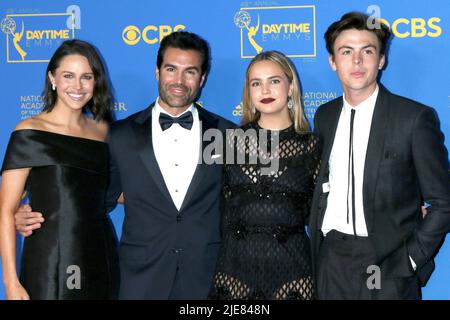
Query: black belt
(279,232)
(334,235)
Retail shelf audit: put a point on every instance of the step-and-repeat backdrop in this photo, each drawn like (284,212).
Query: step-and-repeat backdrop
(128,34)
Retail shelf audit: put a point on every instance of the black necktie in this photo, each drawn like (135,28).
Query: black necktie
(185,121)
(351,172)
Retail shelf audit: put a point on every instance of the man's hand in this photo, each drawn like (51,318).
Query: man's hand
(26,220)
(424,211)
(121,199)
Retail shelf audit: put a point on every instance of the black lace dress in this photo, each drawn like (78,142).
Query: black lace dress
(265,251)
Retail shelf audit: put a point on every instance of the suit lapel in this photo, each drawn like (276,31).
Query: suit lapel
(207,122)
(143,137)
(374,152)
(328,127)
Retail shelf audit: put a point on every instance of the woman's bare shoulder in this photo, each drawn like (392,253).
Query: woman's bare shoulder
(35,123)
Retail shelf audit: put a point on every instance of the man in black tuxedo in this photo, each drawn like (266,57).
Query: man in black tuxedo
(171,230)
(383,157)
(170,237)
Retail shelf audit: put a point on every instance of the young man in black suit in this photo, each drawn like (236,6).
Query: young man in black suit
(383,156)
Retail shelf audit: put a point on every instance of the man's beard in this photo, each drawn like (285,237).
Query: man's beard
(176,101)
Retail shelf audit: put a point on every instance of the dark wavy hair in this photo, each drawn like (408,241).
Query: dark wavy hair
(358,21)
(101,103)
(186,41)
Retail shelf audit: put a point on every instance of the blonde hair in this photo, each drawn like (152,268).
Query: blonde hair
(296,113)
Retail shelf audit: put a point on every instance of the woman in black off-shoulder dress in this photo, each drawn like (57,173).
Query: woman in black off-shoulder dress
(268,187)
(61,160)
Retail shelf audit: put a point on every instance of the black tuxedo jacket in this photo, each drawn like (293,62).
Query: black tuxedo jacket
(406,164)
(158,241)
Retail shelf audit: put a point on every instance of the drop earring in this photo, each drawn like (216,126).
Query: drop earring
(290,103)
(53,87)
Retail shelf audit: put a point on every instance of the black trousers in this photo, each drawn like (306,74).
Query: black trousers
(346,270)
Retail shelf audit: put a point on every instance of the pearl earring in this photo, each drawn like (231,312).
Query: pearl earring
(53,87)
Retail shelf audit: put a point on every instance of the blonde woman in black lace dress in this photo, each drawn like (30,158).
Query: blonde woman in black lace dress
(267,191)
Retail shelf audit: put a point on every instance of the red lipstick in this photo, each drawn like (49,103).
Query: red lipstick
(267,100)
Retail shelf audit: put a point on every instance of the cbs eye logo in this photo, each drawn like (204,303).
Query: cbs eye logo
(151,34)
(415,27)
(131,35)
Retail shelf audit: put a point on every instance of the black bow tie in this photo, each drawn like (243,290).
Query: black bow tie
(185,121)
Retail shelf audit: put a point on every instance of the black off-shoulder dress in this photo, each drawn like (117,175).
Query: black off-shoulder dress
(74,254)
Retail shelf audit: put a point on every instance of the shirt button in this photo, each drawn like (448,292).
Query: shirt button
(176,164)
(176,190)
(179,218)
(176,140)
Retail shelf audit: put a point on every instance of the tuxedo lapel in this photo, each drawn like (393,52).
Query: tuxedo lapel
(374,154)
(144,144)
(207,122)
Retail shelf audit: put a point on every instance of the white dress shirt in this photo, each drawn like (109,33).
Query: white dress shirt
(177,152)
(336,212)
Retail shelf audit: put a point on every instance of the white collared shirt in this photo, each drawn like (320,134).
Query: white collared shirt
(177,152)
(336,212)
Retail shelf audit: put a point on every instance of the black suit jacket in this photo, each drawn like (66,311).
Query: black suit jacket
(406,164)
(158,241)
